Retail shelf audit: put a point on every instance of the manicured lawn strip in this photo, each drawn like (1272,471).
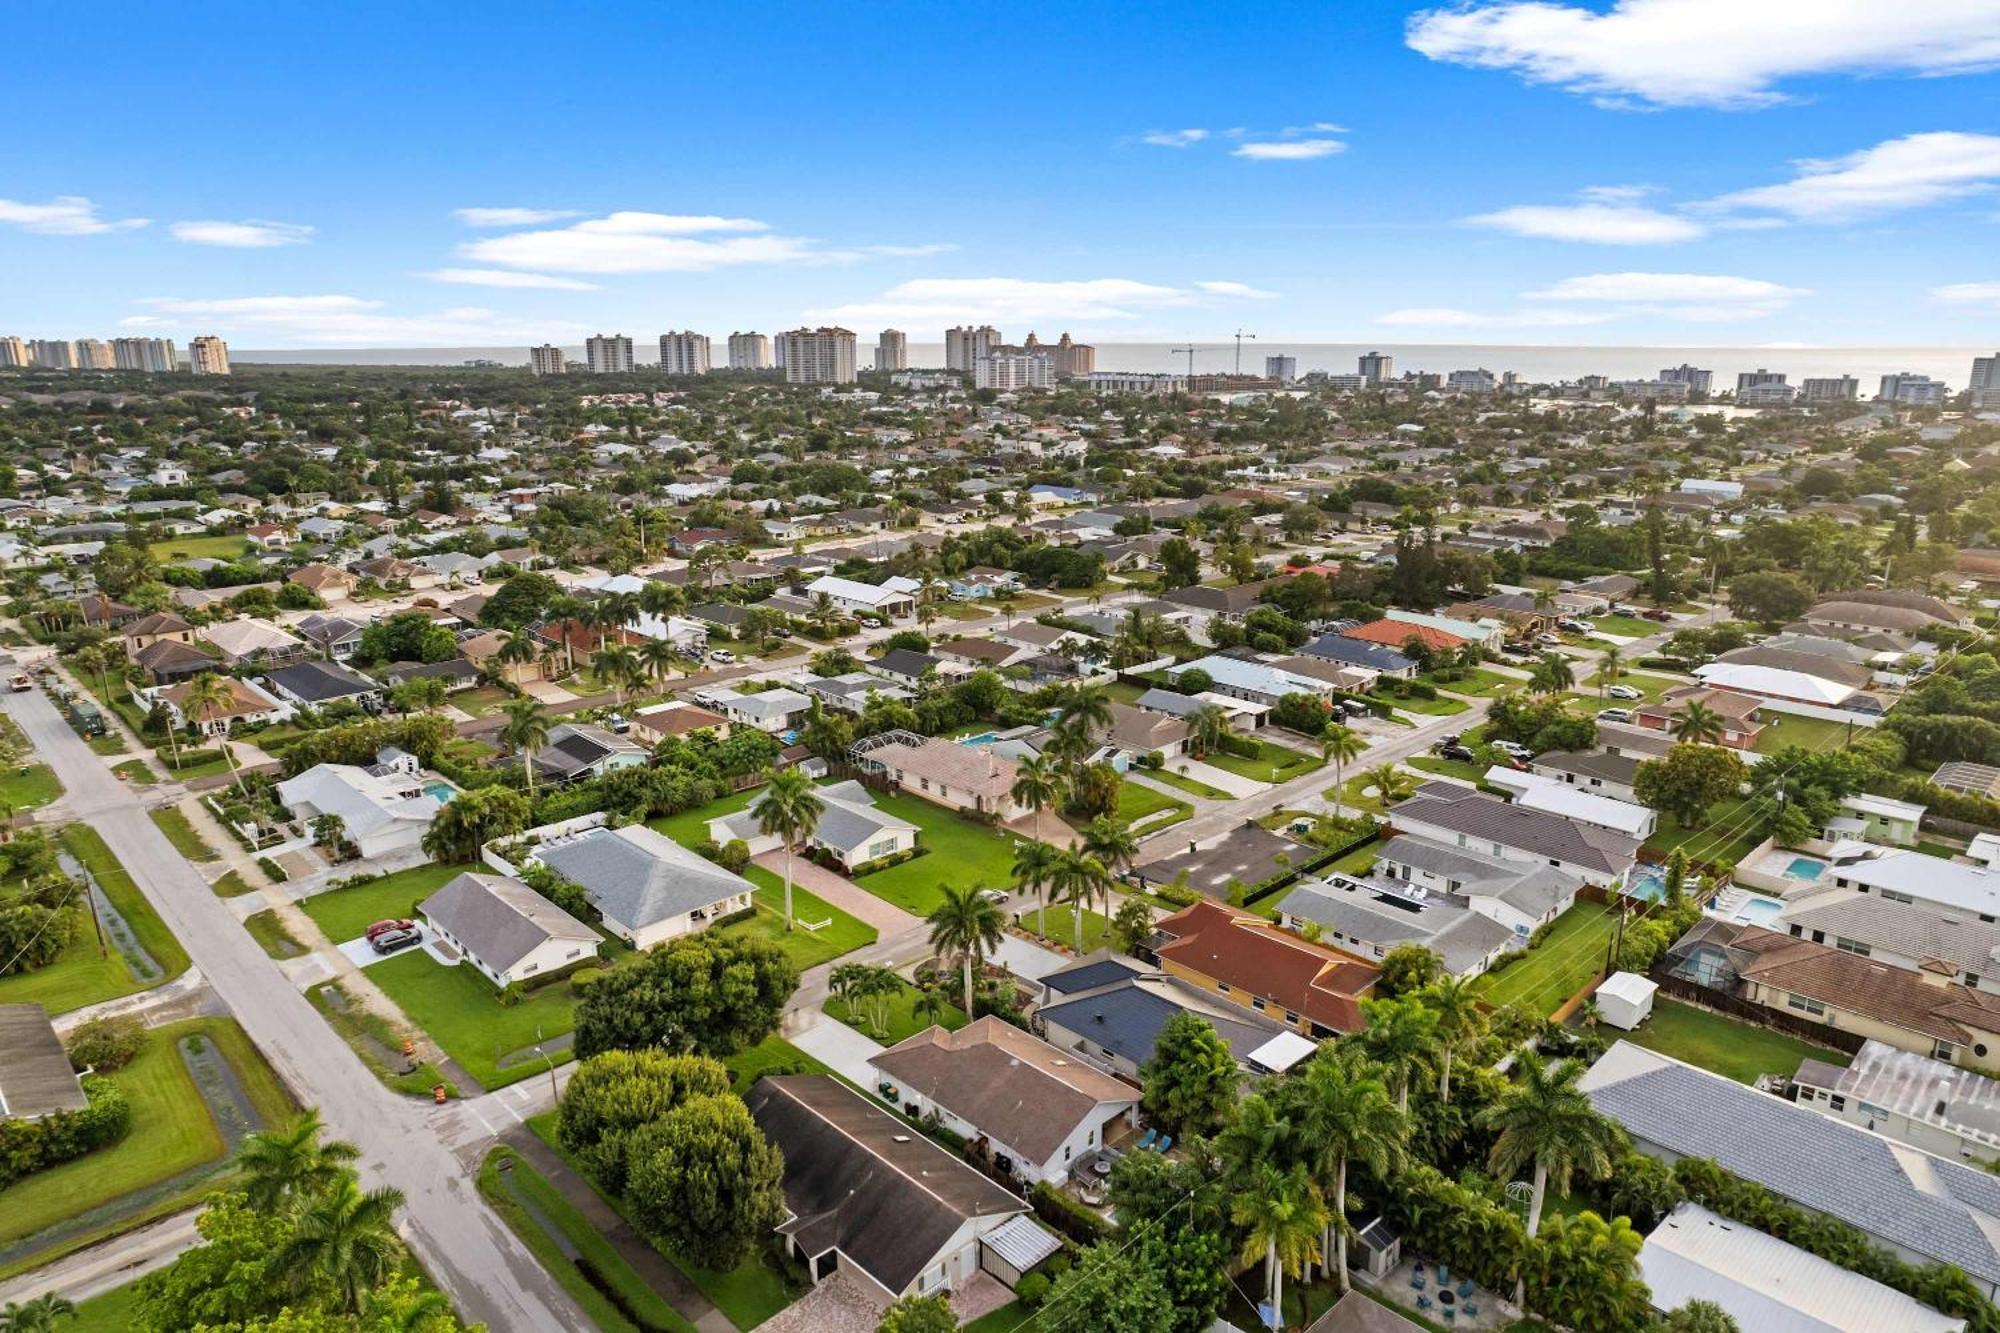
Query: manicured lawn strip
(901,1019)
(1192,786)
(112,1312)
(232,885)
(1478,683)
(109,743)
(594,1249)
(1786,729)
(137,772)
(346,913)
(1653,687)
(270,932)
(1568,956)
(1062,926)
(1136,803)
(30,787)
(1627,627)
(1357,862)
(1442,706)
(226,547)
(1723,1045)
(172,1130)
(690,827)
(1006,1319)
(459,1010)
(1724,836)
(80,977)
(356,1025)
(170,821)
(1450,768)
(772,1055)
(961,852)
(808,948)
(1276,763)
(748,1296)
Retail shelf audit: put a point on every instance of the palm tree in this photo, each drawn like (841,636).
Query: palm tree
(1074,878)
(969,924)
(1037,785)
(284,1167)
(1552,675)
(526,731)
(206,700)
(1698,724)
(1282,1217)
(660,599)
(517,650)
(823,613)
(1459,1020)
(619,667)
(345,1239)
(1033,863)
(1544,1121)
(39,1315)
(1400,1036)
(615,610)
(789,810)
(1391,783)
(1345,1115)
(1340,746)
(1208,727)
(1111,843)
(1609,668)
(657,656)
(1086,709)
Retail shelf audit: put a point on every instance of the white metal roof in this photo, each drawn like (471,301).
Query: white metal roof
(1774,682)
(1283,1051)
(1021,1242)
(1629,987)
(1535,792)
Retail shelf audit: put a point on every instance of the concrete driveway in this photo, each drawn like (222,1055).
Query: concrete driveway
(835,1044)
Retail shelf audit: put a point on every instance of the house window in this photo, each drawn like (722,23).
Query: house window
(1846,945)
(1222,986)
(1805,1004)
(1837,1102)
(1895,897)
(1972,979)
(1291,1017)
(1943,1050)
(1257,1003)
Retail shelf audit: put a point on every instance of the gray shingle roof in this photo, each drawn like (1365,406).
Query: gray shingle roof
(35,1075)
(1476,815)
(1910,1199)
(637,877)
(500,921)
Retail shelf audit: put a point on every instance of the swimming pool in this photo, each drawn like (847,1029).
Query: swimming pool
(1804,867)
(983,738)
(444,791)
(1646,883)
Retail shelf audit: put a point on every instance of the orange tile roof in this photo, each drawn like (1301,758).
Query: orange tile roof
(1251,955)
(1396,633)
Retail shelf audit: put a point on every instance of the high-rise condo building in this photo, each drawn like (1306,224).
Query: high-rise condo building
(1697,380)
(1283,369)
(94,354)
(1829,389)
(1767,393)
(155,356)
(548,359)
(208,355)
(1009,368)
(963,346)
(1375,367)
(817,356)
(892,350)
(749,351)
(14,352)
(1751,379)
(1913,390)
(1073,360)
(608,354)
(1471,381)
(1985,380)
(684,353)
(53,353)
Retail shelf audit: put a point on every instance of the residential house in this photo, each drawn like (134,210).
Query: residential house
(1532,791)
(1601,774)
(679,718)
(1457,816)
(1110,1011)
(1521,894)
(159,627)
(1876,819)
(316,684)
(165,661)
(1740,720)
(36,1079)
(332,585)
(648,888)
(1912,935)
(504,929)
(336,637)
(1372,916)
(1235,954)
(1401,635)
(1487,633)
(579,751)
(903,666)
(1244,858)
(854,598)
(253,643)
(868,1198)
(1943,1109)
(1255,682)
(1242,714)
(774,710)
(978,653)
(383,810)
(958,777)
(1345,650)
(1036,1109)
(851,828)
(849,693)
(246,704)
(1870,617)
(483,651)
(1776,683)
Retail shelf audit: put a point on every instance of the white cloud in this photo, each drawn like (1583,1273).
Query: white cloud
(1617,194)
(500,277)
(1173,138)
(64,215)
(1969,293)
(1689,296)
(1242,289)
(1316,127)
(1289,150)
(899,251)
(249,234)
(1018,300)
(1909,172)
(344,321)
(1448,317)
(640,242)
(1592,224)
(1717,53)
(511,217)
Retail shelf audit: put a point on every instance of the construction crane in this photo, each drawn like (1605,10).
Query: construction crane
(1189,353)
(1240,336)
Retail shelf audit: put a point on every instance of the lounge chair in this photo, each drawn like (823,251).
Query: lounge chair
(1423,1302)
(1147,1141)
(1466,1288)
(1444,1276)
(1418,1281)
(1166,1142)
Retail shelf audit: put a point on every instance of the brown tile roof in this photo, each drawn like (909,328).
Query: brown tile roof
(1892,995)
(679,721)
(1396,633)
(1253,956)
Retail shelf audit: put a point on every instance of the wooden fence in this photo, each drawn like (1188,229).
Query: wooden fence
(1777,1020)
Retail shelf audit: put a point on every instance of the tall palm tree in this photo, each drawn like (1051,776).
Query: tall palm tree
(1086,708)
(207,700)
(1552,675)
(283,1167)
(1391,783)
(1208,727)
(1610,666)
(615,610)
(1282,1217)
(660,599)
(1698,724)
(824,613)
(1340,746)
(619,667)
(518,649)
(1075,878)
(1401,1035)
(39,1315)
(969,924)
(789,810)
(345,1239)
(525,731)
(1345,1115)
(1545,1122)
(657,657)
(1037,785)
(1459,1020)
(1033,863)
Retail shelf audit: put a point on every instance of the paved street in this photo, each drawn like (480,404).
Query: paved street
(487,1272)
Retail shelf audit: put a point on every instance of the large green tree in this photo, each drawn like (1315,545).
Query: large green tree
(1190,1083)
(703,1182)
(919,1314)
(615,1093)
(711,994)
(1689,780)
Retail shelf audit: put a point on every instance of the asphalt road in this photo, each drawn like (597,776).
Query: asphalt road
(488,1274)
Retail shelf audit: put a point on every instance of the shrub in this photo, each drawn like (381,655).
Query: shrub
(735,854)
(107,1045)
(27,1146)
(509,995)
(272,869)
(1066,1215)
(1033,1290)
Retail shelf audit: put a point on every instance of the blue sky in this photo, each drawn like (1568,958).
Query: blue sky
(1653,171)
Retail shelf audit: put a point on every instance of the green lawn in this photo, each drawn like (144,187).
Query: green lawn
(607,1264)
(1451,768)
(1785,729)
(268,931)
(1568,957)
(690,827)
(182,834)
(28,786)
(345,913)
(1478,683)
(460,1010)
(80,977)
(1442,706)
(172,1130)
(1723,1045)
(808,948)
(1653,687)
(376,1041)
(1137,804)
(960,852)
(1062,926)
(1627,627)
(112,1312)
(1726,835)
(1193,786)
(773,1054)
(1006,1319)
(1277,763)
(199,548)
(900,1019)
(232,885)
(137,772)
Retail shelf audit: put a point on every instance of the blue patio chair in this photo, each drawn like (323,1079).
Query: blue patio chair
(1166,1142)
(1465,1288)
(1444,1276)
(1450,1314)
(1423,1302)
(1147,1141)
(1417,1281)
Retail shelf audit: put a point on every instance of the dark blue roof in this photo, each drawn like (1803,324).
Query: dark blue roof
(1089,976)
(1355,652)
(1125,1021)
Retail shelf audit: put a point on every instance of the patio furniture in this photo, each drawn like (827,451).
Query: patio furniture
(1166,1142)
(1417,1281)
(1471,1310)
(1465,1288)
(1423,1302)
(1445,1298)
(1444,1276)
(1147,1141)
(1100,1167)
(1450,1315)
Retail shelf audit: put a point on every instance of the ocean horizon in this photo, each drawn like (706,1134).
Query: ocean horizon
(1533,362)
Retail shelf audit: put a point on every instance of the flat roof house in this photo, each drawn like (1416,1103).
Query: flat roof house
(866,1195)
(505,929)
(1035,1106)
(648,887)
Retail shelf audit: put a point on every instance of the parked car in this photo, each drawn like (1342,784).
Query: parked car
(1458,752)
(19,682)
(1624,692)
(722,655)
(998,897)
(394,940)
(617,723)
(1548,639)
(1517,650)
(1614,715)
(1575,626)
(1658,613)
(1513,749)
(381,928)
(1353,708)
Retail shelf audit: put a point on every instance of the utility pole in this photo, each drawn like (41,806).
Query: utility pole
(1240,336)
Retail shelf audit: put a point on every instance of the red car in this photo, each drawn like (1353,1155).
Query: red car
(1657,613)
(381,928)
